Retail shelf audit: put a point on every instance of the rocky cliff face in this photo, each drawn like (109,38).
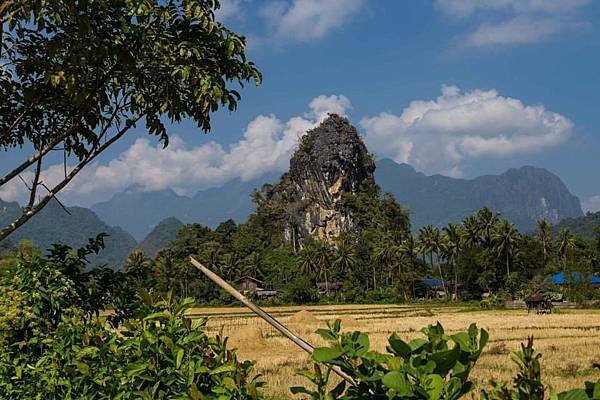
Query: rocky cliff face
(528,193)
(522,195)
(331,161)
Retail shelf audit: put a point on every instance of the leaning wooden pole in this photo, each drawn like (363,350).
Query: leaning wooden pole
(303,344)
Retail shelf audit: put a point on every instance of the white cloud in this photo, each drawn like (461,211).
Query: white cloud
(465,8)
(306,20)
(266,146)
(514,22)
(229,9)
(591,204)
(441,135)
(519,30)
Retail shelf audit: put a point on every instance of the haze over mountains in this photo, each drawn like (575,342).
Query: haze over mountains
(522,195)
(72,227)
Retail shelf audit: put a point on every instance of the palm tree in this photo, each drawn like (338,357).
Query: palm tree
(344,257)
(430,242)
(452,250)
(165,271)
(471,232)
(505,240)
(253,266)
(322,260)
(544,237)
(487,221)
(306,261)
(408,249)
(231,266)
(566,242)
(137,264)
(386,254)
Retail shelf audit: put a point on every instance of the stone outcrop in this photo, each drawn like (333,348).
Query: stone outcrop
(331,162)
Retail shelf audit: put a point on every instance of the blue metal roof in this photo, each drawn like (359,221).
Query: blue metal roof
(559,278)
(432,282)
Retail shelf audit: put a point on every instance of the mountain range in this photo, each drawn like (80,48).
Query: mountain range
(522,195)
(140,211)
(72,226)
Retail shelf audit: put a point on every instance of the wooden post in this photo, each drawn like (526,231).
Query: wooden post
(304,345)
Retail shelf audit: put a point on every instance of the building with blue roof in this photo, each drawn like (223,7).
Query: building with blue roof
(562,279)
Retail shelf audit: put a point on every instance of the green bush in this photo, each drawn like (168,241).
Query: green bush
(420,369)
(54,349)
(428,369)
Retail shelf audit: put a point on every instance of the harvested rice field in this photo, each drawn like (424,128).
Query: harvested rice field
(568,339)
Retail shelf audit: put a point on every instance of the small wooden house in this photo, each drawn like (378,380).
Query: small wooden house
(329,287)
(248,284)
(539,303)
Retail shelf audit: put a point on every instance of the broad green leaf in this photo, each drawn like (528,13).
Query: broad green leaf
(327,354)
(399,346)
(397,381)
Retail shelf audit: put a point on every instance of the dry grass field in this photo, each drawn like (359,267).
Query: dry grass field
(568,339)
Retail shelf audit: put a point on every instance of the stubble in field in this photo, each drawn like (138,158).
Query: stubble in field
(569,340)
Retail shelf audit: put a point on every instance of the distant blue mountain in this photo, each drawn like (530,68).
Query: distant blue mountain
(55,225)
(522,195)
(139,211)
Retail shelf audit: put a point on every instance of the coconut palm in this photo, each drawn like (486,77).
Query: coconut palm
(344,256)
(137,264)
(487,220)
(544,236)
(452,249)
(386,254)
(505,239)
(471,232)
(565,243)
(322,260)
(430,242)
(254,266)
(231,266)
(306,261)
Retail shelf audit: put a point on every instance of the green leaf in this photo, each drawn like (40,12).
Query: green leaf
(434,385)
(463,340)
(223,369)
(327,354)
(398,346)
(179,358)
(445,360)
(577,394)
(397,381)
(326,334)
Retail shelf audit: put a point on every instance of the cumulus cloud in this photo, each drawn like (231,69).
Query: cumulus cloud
(591,204)
(514,22)
(266,146)
(229,9)
(441,135)
(306,20)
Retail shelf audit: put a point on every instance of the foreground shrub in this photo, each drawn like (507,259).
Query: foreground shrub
(53,349)
(425,369)
(420,369)
(527,384)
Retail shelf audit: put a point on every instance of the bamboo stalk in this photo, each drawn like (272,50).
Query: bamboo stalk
(304,345)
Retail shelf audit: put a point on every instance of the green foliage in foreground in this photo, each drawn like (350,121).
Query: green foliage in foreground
(435,368)
(51,348)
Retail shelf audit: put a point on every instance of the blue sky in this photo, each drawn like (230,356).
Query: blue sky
(459,87)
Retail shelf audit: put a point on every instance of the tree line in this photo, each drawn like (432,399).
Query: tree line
(484,255)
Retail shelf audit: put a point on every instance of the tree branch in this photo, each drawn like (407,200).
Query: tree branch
(34,184)
(28,214)
(33,159)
